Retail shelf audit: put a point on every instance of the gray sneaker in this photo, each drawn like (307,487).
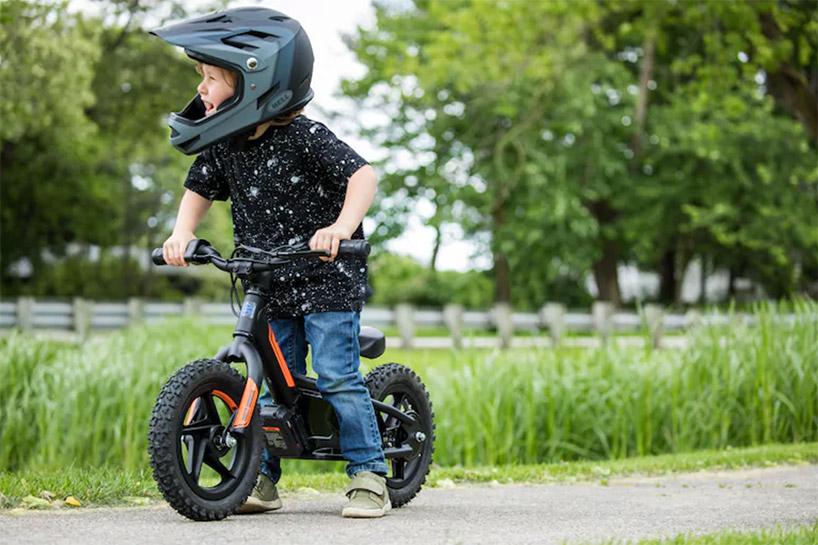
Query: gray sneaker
(264,497)
(368,496)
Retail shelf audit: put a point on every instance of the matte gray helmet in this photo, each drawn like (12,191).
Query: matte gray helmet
(271,54)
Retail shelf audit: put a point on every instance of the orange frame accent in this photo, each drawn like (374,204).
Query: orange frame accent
(227,400)
(218,393)
(246,405)
(282,364)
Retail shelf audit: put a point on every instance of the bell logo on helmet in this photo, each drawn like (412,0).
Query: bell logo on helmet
(280,101)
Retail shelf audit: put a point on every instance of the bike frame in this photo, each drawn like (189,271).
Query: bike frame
(254,344)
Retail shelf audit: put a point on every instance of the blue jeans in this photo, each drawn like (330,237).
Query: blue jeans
(336,357)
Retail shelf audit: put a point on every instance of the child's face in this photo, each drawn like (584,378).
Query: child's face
(214,89)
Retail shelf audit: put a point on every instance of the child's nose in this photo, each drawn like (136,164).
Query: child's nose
(201,89)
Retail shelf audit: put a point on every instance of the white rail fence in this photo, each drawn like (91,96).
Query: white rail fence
(500,326)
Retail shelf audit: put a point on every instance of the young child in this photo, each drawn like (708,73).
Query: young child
(290,181)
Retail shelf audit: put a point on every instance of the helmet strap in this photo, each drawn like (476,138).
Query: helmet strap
(238,141)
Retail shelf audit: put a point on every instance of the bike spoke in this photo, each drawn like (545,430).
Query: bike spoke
(197,457)
(211,412)
(197,430)
(218,466)
(398,465)
(189,443)
(390,422)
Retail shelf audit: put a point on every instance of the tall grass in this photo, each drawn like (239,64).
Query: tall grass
(734,386)
(737,385)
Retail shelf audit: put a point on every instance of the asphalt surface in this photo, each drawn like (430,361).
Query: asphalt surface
(628,508)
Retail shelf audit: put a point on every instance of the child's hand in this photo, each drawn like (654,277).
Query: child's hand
(329,238)
(173,250)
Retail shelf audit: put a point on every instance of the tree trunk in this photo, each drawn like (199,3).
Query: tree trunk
(680,261)
(789,85)
(667,277)
(126,273)
(645,73)
(502,279)
(731,282)
(436,249)
(502,271)
(605,273)
(605,268)
(703,281)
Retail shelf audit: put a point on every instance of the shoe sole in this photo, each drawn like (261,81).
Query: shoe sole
(358,513)
(253,505)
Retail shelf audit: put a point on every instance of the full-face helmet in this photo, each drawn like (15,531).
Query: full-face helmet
(272,56)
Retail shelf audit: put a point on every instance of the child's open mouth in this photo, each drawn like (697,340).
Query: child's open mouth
(209,108)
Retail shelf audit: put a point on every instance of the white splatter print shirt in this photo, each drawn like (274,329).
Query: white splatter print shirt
(283,187)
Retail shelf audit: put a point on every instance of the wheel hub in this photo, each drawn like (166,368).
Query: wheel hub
(217,441)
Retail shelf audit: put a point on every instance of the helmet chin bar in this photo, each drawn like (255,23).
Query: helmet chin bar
(195,110)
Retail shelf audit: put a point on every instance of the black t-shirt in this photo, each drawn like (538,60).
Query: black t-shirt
(283,187)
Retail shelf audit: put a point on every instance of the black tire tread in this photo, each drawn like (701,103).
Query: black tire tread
(161,440)
(375,380)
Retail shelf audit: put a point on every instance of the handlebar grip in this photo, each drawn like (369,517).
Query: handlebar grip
(158,257)
(354,247)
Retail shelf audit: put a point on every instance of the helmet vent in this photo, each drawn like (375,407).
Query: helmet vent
(245,40)
(279,18)
(220,19)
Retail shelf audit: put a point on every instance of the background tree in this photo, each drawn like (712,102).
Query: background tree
(584,135)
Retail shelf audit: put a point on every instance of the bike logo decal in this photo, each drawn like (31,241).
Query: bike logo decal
(248,309)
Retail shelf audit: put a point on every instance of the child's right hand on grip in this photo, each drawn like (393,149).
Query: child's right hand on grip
(173,250)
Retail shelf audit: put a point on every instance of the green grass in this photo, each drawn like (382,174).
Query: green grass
(111,486)
(798,535)
(89,405)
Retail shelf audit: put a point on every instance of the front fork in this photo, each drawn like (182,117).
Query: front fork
(242,349)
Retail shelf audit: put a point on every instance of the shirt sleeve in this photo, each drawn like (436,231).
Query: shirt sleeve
(335,161)
(206,179)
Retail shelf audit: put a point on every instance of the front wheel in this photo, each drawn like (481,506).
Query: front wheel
(201,471)
(401,388)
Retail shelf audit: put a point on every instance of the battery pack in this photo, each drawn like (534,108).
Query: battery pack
(280,437)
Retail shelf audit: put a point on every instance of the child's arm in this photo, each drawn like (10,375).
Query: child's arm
(191,211)
(359,196)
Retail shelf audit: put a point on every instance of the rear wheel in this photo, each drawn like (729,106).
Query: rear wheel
(400,387)
(201,471)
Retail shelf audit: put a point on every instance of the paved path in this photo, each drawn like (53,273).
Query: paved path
(627,508)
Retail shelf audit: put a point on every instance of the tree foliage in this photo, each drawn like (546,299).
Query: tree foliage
(564,137)
(581,135)
(85,158)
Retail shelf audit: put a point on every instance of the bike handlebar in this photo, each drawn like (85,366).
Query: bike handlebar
(199,251)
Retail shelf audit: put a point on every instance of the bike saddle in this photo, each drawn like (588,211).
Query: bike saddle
(372,341)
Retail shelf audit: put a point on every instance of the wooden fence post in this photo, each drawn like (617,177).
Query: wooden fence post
(453,318)
(136,311)
(25,313)
(603,318)
(653,318)
(552,315)
(82,318)
(693,319)
(502,320)
(191,306)
(405,318)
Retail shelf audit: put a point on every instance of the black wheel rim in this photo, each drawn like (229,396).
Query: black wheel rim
(395,435)
(211,470)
